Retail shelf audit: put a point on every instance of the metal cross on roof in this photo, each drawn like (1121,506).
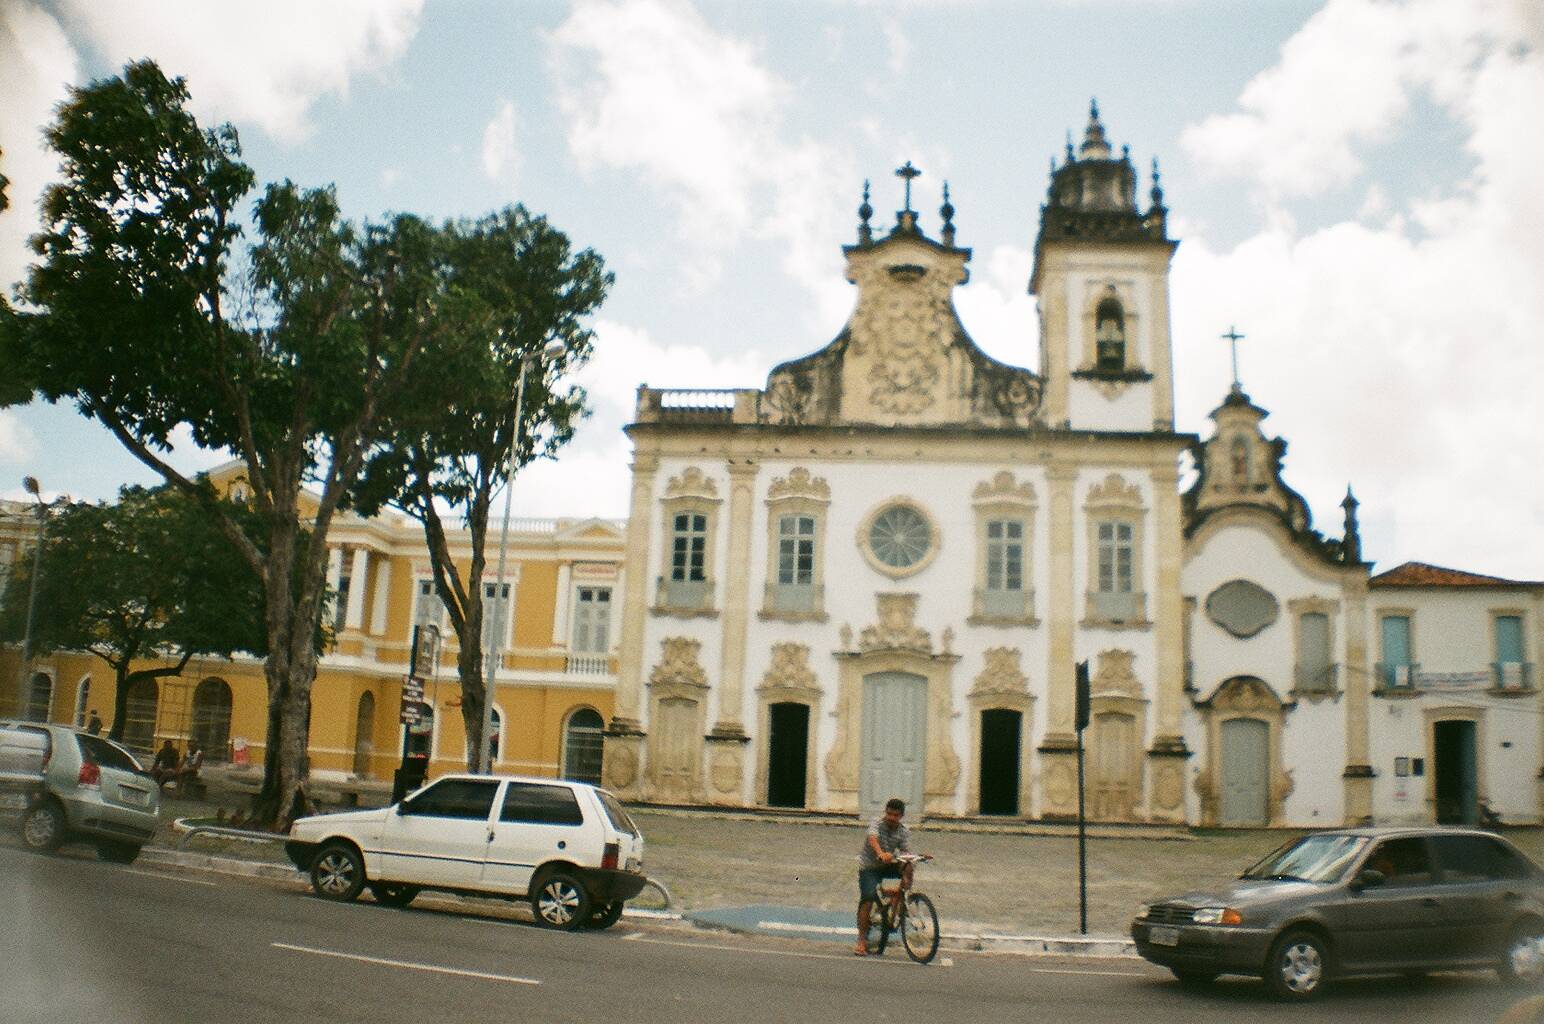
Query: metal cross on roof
(908,172)
(1233,339)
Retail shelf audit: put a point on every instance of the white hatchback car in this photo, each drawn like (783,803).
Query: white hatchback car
(568,847)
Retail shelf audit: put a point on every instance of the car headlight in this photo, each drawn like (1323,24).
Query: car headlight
(1217,915)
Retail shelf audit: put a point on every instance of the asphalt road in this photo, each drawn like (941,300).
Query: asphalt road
(81,940)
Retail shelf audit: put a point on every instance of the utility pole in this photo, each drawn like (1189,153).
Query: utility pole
(1082,723)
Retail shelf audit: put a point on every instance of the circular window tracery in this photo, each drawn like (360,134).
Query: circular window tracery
(898,539)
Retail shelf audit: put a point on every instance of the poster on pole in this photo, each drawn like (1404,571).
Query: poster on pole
(412,700)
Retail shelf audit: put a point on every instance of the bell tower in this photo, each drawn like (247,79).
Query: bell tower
(1101,277)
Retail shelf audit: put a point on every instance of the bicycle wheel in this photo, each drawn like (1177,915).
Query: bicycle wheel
(919,927)
(886,926)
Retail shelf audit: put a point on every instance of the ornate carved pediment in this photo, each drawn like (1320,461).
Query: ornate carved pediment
(678,673)
(1114,674)
(1001,675)
(896,629)
(799,484)
(1245,693)
(1003,488)
(789,676)
(1114,491)
(692,483)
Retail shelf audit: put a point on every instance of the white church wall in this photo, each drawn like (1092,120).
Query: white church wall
(1130,408)
(1314,752)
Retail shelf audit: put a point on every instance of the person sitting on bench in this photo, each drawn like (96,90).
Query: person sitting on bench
(190,765)
(164,768)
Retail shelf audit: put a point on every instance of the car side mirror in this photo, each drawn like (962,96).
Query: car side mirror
(1367,878)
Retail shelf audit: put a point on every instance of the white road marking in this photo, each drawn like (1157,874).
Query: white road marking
(407,964)
(1093,974)
(759,951)
(171,878)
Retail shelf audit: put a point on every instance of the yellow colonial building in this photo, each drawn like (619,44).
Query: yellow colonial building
(555,681)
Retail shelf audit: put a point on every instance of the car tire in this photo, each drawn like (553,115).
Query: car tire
(43,827)
(604,917)
(338,873)
(116,852)
(1522,961)
(560,901)
(1193,979)
(390,894)
(1298,966)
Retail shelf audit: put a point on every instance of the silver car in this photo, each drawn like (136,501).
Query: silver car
(1356,902)
(71,785)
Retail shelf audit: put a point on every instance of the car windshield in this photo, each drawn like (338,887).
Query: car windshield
(1310,859)
(619,819)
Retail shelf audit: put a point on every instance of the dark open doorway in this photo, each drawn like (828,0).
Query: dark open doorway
(1000,729)
(1456,771)
(787,754)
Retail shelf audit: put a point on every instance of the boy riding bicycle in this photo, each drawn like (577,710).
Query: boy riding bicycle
(877,860)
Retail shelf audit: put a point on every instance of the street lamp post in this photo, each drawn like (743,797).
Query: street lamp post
(24,689)
(495,642)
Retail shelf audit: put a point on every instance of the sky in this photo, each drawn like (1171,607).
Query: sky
(1354,184)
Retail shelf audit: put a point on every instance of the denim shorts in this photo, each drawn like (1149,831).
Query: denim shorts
(868,880)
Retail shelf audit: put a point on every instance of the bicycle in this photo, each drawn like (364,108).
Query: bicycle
(905,910)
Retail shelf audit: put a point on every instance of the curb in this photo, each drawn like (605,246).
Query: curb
(222,865)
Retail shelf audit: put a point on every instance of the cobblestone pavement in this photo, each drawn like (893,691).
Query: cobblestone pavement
(1004,883)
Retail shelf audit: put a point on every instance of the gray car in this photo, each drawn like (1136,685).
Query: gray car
(1356,902)
(70,785)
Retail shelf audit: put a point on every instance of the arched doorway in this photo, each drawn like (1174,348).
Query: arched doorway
(894,740)
(1246,772)
(582,746)
(1001,729)
(140,715)
(787,753)
(364,734)
(40,698)
(212,718)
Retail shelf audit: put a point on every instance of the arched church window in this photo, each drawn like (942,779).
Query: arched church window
(1109,336)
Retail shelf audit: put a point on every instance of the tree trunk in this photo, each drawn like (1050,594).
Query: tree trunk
(120,700)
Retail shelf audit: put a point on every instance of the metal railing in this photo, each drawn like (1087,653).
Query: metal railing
(1397,675)
(1512,675)
(1316,678)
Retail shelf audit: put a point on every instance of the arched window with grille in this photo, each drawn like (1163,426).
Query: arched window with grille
(40,698)
(212,718)
(583,745)
(139,716)
(82,701)
(1109,336)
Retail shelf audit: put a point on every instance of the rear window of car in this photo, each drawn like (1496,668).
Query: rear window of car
(1479,859)
(618,815)
(105,754)
(543,805)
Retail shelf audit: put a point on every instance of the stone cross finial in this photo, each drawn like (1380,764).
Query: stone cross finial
(908,172)
(1233,339)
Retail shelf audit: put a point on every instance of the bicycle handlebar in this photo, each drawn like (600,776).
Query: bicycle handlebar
(913,858)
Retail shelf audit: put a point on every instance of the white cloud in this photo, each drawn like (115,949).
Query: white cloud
(500,155)
(650,88)
(390,176)
(592,476)
(899,46)
(997,310)
(17,443)
(1402,355)
(253,64)
(36,64)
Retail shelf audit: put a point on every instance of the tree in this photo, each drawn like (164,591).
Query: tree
(148,577)
(13,384)
(134,275)
(516,287)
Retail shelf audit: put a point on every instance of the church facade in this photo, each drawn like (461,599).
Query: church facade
(874,576)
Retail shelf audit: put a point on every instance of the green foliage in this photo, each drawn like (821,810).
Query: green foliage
(147,577)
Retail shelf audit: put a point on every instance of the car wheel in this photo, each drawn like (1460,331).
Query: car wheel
(560,902)
(1522,962)
(116,852)
(1297,967)
(42,827)
(389,894)
(1194,979)
(604,917)
(337,873)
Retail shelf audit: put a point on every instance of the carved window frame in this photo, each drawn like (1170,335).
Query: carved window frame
(1380,679)
(689,493)
(1115,501)
(1004,499)
(796,495)
(935,538)
(1298,608)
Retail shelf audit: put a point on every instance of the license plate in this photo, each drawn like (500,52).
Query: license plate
(1161,936)
(133,796)
(13,801)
